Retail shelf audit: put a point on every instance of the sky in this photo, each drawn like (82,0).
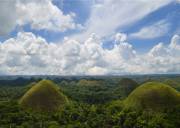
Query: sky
(89,37)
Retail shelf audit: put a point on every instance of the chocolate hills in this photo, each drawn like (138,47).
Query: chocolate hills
(173,84)
(90,83)
(153,95)
(43,96)
(125,87)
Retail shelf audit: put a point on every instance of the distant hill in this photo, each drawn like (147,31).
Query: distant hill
(20,81)
(173,84)
(90,83)
(89,91)
(153,95)
(125,87)
(43,96)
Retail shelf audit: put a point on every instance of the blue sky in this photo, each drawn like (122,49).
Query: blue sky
(141,25)
(171,13)
(82,9)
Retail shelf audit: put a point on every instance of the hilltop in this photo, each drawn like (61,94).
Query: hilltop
(125,87)
(43,96)
(90,83)
(153,95)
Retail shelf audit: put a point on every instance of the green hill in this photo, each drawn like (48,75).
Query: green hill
(152,95)
(125,87)
(90,83)
(173,84)
(43,96)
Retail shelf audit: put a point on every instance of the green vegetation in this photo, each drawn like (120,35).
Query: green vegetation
(44,96)
(90,103)
(153,95)
(125,87)
(173,84)
(89,91)
(84,82)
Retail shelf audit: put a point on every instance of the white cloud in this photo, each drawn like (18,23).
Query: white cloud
(155,30)
(120,37)
(41,15)
(7,18)
(165,59)
(175,42)
(109,15)
(97,71)
(158,50)
(31,55)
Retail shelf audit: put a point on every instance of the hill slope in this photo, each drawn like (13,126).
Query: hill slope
(90,83)
(173,84)
(125,87)
(153,95)
(44,96)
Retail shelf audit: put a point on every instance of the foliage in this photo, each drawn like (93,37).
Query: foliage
(125,87)
(78,115)
(93,103)
(89,91)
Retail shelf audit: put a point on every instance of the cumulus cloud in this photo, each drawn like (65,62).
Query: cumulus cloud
(175,42)
(120,37)
(158,50)
(165,59)
(33,12)
(31,55)
(97,71)
(154,30)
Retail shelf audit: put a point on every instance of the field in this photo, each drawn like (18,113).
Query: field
(142,101)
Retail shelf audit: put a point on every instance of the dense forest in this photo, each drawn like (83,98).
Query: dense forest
(90,102)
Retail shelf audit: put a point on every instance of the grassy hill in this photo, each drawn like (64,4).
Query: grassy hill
(153,95)
(90,83)
(125,87)
(173,84)
(43,96)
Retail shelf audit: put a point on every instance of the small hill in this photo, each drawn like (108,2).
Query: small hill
(173,84)
(125,87)
(90,83)
(153,95)
(43,96)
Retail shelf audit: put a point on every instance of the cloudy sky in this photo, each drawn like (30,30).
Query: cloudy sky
(89,37)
